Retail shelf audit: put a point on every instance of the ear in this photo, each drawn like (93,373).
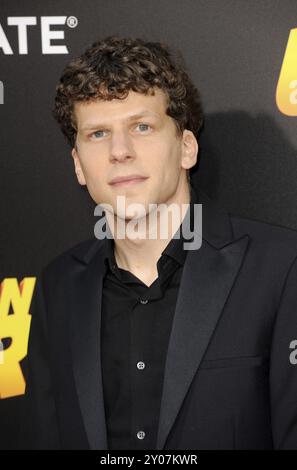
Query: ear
(189,149)
(77,167)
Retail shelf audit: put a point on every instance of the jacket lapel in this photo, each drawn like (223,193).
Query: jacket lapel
(85,340)
(207,279)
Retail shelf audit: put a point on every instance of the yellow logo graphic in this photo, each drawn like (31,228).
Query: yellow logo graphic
(15,319)
(286,91)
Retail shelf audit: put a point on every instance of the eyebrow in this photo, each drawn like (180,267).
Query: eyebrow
(93,125)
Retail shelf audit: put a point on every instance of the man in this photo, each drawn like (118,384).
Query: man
(137,343)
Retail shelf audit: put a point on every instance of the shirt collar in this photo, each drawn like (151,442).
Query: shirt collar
(174,249)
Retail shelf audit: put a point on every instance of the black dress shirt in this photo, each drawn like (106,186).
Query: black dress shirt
(135,329)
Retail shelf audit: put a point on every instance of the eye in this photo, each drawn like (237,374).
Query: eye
(96,134)
(143,126)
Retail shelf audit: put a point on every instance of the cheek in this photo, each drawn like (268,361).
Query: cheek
(169,163)
(157,155)
(93,167)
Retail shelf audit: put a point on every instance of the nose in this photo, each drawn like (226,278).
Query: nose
(121,146)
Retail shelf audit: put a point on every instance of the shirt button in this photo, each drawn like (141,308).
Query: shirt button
(141,434)
(140,365)
(143,301)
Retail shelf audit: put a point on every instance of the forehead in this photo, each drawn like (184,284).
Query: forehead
(93,112)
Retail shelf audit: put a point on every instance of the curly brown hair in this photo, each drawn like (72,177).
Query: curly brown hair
(111,67)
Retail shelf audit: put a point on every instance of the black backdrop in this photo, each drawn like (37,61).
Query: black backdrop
(234,51)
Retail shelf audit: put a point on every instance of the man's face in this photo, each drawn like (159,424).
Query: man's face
(132,136)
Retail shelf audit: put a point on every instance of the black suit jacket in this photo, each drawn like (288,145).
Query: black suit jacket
(229,382)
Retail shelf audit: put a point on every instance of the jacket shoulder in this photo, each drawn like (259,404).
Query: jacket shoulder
(264,232)
(63,260)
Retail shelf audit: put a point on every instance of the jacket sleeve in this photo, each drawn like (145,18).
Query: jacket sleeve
(283,366)
(38,424)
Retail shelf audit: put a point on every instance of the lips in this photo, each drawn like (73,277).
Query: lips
(126,179)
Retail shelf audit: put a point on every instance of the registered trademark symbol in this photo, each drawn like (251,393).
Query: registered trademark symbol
(72,21)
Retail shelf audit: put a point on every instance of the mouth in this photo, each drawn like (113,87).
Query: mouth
(129,182)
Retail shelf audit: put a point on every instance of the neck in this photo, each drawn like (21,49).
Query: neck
(140,255)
